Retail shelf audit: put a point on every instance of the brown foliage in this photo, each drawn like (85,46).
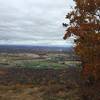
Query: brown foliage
(85,23)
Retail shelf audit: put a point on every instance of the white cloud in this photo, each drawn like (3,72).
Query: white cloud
(33,21)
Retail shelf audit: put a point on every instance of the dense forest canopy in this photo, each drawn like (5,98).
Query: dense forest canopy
(85,24)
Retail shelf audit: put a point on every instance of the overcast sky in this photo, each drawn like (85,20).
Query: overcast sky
(37,22)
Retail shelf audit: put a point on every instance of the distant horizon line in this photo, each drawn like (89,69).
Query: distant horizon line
(36,45)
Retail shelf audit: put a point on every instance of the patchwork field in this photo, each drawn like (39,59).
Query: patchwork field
(43,60)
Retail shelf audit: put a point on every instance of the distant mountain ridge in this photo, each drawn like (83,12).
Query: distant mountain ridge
(32,48)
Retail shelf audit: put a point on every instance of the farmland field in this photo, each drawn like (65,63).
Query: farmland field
(31,60)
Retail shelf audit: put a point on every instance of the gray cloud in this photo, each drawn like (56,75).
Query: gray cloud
(33,21)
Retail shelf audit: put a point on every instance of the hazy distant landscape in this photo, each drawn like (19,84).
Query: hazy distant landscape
(32,48)
(37,56)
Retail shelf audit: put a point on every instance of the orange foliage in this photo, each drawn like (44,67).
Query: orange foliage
(85,23)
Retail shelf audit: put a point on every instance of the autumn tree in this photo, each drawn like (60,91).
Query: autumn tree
(85,24)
